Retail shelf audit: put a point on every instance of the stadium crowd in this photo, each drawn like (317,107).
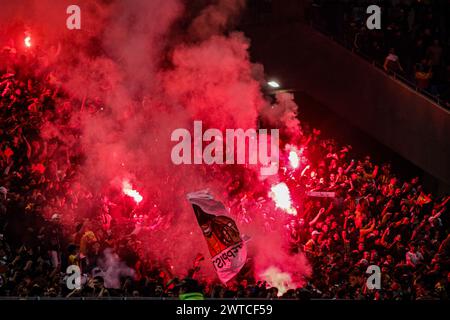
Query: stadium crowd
(413,41)
(373,218)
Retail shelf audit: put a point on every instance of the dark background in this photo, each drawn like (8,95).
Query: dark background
(347,96)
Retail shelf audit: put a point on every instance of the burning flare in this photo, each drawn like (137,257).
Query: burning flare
(27,41)
(282,197)
(128,190)
(279,279)
(294,159)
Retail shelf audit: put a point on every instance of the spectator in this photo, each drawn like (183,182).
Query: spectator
(411,28)
(423,74)
(392,62)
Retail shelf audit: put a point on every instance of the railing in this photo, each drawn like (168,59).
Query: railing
(261,18)
(396,76)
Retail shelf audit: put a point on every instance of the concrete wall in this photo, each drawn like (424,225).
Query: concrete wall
(392,113)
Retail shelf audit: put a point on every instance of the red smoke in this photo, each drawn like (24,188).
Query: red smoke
(27,41)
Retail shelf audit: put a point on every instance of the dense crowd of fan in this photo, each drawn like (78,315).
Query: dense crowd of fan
(412,42)
(372,219)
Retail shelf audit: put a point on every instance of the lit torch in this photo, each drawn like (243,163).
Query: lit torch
(281,280)
(294,159)
(281,196)
(128,190)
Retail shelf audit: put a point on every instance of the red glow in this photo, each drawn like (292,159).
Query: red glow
(129,191)
(294,159)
